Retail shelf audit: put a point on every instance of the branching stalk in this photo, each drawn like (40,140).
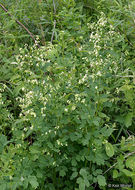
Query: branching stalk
(22,25)
(54,8)
(126,156)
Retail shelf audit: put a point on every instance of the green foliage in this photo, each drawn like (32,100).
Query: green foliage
(67,108)
(109,149)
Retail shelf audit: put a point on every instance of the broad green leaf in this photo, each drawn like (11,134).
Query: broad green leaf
(33,181)
(3,140)
(101,180)
(39,174)
(82,186)
(81,183)
(83,173)
(128,119)
(74,175)
(107,131)
(128,173)
(34,149)
(115,173)
(96,123)
(120,162)
(62,173)
(109,149)
(130,163)
(86,182)
(74,162)
(97,172)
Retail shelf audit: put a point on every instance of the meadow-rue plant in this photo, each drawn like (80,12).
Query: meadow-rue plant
(67,107)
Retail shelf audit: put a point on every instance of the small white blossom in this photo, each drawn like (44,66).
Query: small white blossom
(66,110)
(22,178)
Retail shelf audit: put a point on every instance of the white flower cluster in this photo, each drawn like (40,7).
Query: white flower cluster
(79,98)
(101,44)
(83,79)
(30,112)
(1,102)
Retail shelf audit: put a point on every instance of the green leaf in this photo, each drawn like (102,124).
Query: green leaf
(130,163)
(62,173)
(17,89)
(3,142)
(120,161)
(74,175)
(33,181)
(83,173)
(14,77)
(34,149)
(101,180)
(128,173)
(39,174)
(109,149)
(128,119)
(96,123)
(81,183)
(106,131)
(82,186)
(74,162)
(3,187)
(115,173)
(86,182)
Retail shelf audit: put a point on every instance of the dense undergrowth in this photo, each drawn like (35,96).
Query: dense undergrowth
(67,108)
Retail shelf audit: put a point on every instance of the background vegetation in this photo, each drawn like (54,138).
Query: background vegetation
(67,102)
